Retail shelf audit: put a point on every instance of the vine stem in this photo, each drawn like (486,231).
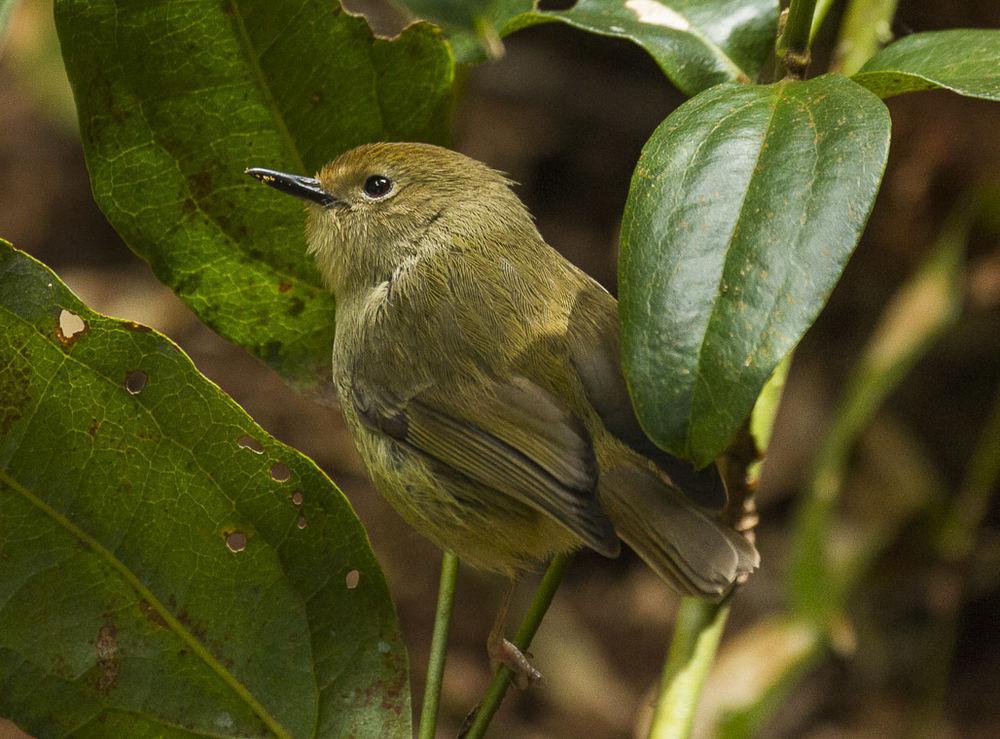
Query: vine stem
(792,48)
(522,640)
(696,640)
(439,646)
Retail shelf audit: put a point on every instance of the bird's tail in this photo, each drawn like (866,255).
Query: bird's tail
(683,544)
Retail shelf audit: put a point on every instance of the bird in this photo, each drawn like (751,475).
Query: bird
(479,375)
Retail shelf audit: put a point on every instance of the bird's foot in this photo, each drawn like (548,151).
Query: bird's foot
(503,652)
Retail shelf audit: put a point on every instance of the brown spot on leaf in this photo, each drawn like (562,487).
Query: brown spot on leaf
(93,428)
(107,657)
(200,184)
(152,614)
(284,287)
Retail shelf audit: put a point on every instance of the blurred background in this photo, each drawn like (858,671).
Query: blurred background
(916,650)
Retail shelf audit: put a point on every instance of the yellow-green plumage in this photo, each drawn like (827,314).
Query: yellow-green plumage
(478,373)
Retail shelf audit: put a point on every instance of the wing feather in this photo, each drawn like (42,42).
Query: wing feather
(512,438)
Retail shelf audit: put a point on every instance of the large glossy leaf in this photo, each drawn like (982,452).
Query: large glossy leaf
(168,569)
(966,61)
(177,99)
(473,27)
(743,210)
(697,43)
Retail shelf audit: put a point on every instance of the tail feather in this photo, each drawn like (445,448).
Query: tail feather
(683,545)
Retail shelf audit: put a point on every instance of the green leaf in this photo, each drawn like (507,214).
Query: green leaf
(161,575)
(177,99)
(765,409)
(755,671)
(744,208)
(697,43)
(473,27)
(966,61)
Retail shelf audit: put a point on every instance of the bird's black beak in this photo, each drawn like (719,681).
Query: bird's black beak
(307,188)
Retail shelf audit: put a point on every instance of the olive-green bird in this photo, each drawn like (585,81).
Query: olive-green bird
(478,372)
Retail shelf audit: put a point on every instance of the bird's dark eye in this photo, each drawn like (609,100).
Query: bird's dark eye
(377,186)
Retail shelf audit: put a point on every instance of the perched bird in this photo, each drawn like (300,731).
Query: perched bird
(478,372)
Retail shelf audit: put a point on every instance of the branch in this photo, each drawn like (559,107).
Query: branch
(792,48)
(439,646)
(532,620)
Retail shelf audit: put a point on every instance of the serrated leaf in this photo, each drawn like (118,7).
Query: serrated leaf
(160,576)
(177,99)
(966,61)
(744,208)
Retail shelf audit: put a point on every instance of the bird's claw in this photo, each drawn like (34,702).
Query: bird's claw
(505,653)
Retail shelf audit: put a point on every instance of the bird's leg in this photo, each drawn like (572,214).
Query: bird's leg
(503,652)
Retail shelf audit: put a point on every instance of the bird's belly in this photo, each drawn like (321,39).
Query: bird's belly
(483,527)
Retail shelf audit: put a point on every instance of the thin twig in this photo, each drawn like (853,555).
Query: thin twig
(439,646)
(792,48)
(522,640)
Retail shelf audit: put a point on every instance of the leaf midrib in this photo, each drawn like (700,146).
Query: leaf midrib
(176,626)
(775,102)
(116,564)
(243,39)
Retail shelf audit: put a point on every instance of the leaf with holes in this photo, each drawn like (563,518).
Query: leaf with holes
(966,61)
(168,567)
(176,99)
(697,43)
(744,208)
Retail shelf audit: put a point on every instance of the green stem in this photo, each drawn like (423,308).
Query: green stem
(955,543)
(822,8)
(696,639)
(957,536)
(439,646)
(920,311)
(867,26)
(522,640)
(792,47)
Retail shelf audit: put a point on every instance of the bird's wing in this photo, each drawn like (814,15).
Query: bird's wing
(594,352)
(510,437)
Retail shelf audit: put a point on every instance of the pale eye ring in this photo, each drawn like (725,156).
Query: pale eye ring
(378,186)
